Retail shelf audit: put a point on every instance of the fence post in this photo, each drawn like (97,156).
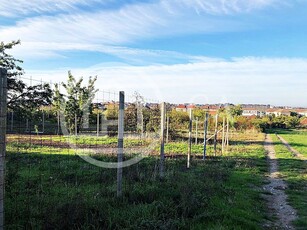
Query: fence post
(58,120)
(120,152)
(167,129)
(3,117)
(205,135)
(223,136)
(227,135)
(190,139)
(196,132)
(12,121)
(162,138)
(43,122)
(98,123)
(215,133)
(76,125)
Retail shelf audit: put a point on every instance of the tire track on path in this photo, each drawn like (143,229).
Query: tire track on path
(291,149)
(275,193)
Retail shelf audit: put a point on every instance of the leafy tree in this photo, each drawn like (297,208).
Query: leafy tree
(77,102)
(111,112)
(152,118)
(235,110)
(131,118)
(21,97)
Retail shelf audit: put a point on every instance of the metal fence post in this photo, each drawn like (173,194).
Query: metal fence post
(162,139)
(190,139)
(120,152)
(3,118)
(215,133)
(205,135)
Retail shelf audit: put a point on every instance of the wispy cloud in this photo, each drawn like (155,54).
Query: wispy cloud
(21,8)
(240,80)
(124,26)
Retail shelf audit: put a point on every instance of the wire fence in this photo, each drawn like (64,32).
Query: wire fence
(52,159)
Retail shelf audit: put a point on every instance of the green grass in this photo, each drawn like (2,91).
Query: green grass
(51,188)
(294,172)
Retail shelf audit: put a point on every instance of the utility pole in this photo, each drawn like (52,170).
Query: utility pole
(205,135)
(120,152)
(162,136)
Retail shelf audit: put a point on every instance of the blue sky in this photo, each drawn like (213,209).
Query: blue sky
(201,51)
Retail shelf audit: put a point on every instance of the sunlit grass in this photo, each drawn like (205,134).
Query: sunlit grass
(52,188)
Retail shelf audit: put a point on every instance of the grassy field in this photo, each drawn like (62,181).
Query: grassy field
(294,172)
(49,187)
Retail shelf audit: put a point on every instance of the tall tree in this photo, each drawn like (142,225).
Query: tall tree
(76,103)
(20,95)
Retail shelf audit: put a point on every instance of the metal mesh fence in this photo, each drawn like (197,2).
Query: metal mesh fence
(56,165)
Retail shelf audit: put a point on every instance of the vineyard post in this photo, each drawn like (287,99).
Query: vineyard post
(190,139)
(162,137)
(205,135)
(3,117)
(120,152)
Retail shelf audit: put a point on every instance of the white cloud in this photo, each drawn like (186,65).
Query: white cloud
(20,8)
(119,27)
(241,80)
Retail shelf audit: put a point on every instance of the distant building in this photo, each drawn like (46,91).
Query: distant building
(302,112)
(278,112)
(249,112)
(181,108)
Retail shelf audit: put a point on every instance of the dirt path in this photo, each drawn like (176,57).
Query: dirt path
(276,197)
(295,152)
